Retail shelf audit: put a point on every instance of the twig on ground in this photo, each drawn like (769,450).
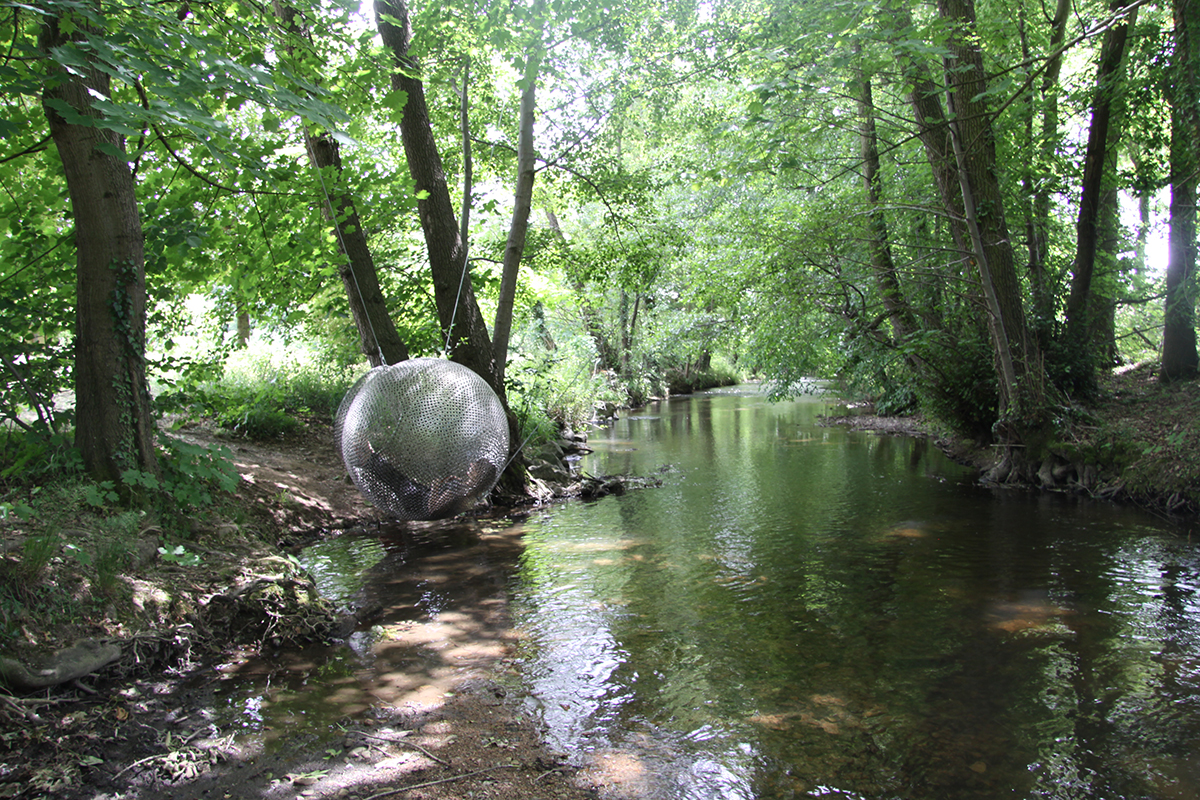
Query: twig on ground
(139,762)
(406,743)
(450,779)
(17,706)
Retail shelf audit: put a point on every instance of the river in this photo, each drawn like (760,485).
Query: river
(802,611)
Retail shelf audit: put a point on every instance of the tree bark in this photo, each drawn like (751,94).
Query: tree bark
(1038,228)
(462,322)
(1104,105)
(1179,356)
(1019,366)
(379,340)
(243,327)
(519,227)
(899,313)
(934,132)
(114,423)
(464,127)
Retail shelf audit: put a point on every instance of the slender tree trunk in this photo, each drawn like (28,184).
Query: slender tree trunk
(464,126)
(1018,361)
(934,133)
(1102,308)
(1179,356)
(1102,315)
(243,327)
(114,422)
(1043,168)
(522,205)
(379,340)
(882,265)
(626,332)
(462,323)
(1106,101)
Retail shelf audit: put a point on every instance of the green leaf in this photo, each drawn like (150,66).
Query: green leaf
(68,113)
(394,101)
(110,149)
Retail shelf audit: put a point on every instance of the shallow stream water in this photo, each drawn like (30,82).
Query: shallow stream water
(806,611)
(802,611)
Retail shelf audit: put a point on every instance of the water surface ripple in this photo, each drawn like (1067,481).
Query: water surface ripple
(808,612)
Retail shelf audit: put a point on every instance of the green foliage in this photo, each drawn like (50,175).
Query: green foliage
(36,553)
(179,555)
(111,558)
(718,372)
(553,387)
(708,192)
(37,454)
(963,394)
(191,474)
(255,420)
(262,392)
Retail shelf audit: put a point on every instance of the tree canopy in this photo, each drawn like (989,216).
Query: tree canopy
(958,207)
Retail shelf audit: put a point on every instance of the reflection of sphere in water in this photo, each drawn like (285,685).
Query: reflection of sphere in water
(422,439)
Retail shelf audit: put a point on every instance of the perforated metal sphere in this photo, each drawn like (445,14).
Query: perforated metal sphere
(422,439)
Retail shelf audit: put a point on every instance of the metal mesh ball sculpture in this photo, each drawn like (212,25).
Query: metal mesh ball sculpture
(423,439)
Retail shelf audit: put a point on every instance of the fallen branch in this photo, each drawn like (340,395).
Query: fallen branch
(83,658)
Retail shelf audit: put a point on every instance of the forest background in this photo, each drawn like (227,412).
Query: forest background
(230,210)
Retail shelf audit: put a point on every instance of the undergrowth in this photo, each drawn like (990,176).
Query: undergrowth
(264,394)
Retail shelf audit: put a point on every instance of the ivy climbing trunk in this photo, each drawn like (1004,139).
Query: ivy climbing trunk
(114,423)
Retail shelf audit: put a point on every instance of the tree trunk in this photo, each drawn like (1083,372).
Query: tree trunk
(462,323)
(243,328)
(1179,356)
(882,265)
(464,127)
(1102,307)
(113,418)
(1102,314)
(1038,230)
(1018,361)
(934,133)
(522,204)
(1106,102)
(379,340)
